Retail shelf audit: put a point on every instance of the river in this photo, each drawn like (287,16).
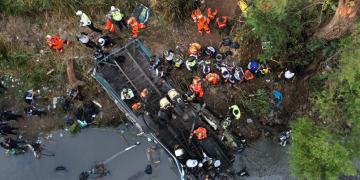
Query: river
(91,145)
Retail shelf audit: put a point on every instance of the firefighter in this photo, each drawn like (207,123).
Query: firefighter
(55,42)
(212,78)
(110,28)
(200,133)
(222,23)
(178,59)
(203,23)
(212,12)
(235,111)
(191,64)
(205,65)
(193,49)
(85,21)
(135,25)
(118,17)
(127,96)
(248,75)
(196,87)
(168,54)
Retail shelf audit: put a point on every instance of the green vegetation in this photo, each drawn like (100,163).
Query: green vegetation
(326,144)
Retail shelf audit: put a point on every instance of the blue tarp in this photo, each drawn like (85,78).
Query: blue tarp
(279,96)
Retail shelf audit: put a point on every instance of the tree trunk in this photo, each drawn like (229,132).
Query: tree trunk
(74,83)
(342,22)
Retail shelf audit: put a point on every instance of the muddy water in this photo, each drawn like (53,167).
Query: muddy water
(77,154)
(272,164)
(91,145)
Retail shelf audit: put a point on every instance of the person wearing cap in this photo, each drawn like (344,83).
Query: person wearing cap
(191,163)
(196,87)
(209,51)
(235,112)
(248,75)
(222,24)
(225,74)
(177,61)
(168,54)
(55,42)
(84,39)
(286,74)
(212,12)
(105,41)
(118,17)
(212,78)
(238,74)
(127,96)
(179,151)
(203,23)
(110,28)
(191,64)
(156,62)
(85,21)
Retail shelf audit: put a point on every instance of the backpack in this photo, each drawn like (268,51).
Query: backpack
(84,175)
(79,113)
(67,105)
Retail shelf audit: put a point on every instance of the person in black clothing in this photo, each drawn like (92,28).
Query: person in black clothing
(156,62)
(7,130)
(84,39)
(105,41)
(5,115)
(2,87)
(196,4)
(10,144)
(30,111)
(99,54)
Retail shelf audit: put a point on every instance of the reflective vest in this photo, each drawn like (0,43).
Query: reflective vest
(109,26)
(83,19)
(143,93)
(212,15)
(223,24)
(193,48)
(132,21)
(191,64)
(200,133)
(234,108)
(164,103)
(128,94)
(248,75)
(136,105)
(212,76)
(202,20)
(116,15)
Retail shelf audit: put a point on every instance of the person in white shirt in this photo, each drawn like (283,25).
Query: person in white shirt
(287,73)
(225,74)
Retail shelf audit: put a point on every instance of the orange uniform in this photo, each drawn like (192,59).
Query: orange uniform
(212,12)
(196,87)
(194,47)
(248,75)
(212,78)
(55,42)
(195,13)
(222,24)
(135,25)
(203,23)
(110,26)
(200,133)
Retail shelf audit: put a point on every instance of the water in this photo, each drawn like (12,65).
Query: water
(79,153)
(91,145)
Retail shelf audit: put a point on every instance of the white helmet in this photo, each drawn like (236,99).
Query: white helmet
(79,12)
(191,163)
(112,8)
(217,163)
(179,152)
(200,165)
(49,36)
(101,42)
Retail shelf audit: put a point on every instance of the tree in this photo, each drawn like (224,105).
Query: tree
(326,144)
(342,23)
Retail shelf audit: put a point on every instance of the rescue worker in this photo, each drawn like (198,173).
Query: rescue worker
(176,98)
(210,51)
(193,49)
(7,130)
(179,151)
(138,108)
(253,66)
(118,17)
(168,54)
(99,54)
(145,94)
(178,59)
(191,64)
(235,112)
(127,96)
(31,111)
(264,69)
(85,21)
(203,23)
(55,42)
(238,74)
(287,73)
(105,41)
(135,25)
(225,74)
(7,116)
(156,62)
(205,67)
(200,133)
(212,12)
(248,75)
(110,28)
(212,78)
(190,96)
(196,87)
(222,24)
(166,109)
(84,39)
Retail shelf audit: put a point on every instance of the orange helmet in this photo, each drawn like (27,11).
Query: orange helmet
(136,105)
(144,93)
(196,80)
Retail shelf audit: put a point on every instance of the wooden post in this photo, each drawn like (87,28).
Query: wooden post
(74,83)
